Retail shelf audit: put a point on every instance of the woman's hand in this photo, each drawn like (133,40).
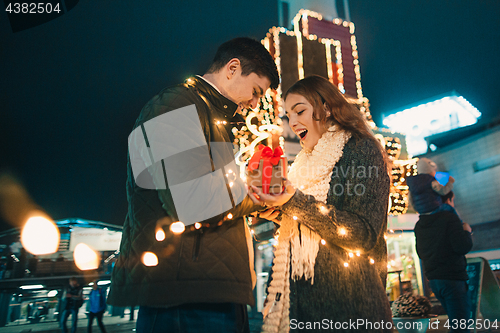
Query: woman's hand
(273,200)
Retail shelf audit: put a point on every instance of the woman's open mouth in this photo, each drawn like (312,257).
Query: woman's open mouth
(302,134)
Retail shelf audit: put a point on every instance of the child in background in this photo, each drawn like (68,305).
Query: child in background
(425,190)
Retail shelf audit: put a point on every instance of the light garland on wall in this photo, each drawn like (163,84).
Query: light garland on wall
(260,124)
(301,27)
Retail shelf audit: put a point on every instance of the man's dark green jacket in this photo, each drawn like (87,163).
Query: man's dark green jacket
(210,265)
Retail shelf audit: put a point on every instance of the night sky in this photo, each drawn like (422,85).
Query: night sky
(72,88)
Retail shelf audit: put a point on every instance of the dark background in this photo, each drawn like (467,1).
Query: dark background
(71,88)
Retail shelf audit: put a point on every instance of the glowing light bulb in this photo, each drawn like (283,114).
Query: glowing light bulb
(346,264)
(40,236)
(351,254)
(323,242)
(85,257)
(372,261)
(342,232)
(229,216)
(197,225)
(177,227)
(358,254)
(149,259)
(323,210)
(295,218)
(160,235)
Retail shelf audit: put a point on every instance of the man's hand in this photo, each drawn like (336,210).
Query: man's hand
(467,227)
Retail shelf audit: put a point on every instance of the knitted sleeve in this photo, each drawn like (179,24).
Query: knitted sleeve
(357,201)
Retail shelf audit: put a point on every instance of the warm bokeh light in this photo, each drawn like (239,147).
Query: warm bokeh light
(197,225)
(160,235)
(346,264)
(229,216)
(149,259)
(85,257)
(342,232)
(40,236)
(177,227)
(323,242)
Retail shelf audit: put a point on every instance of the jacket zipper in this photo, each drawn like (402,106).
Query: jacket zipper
(196,249)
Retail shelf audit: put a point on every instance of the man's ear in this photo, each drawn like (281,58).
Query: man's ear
(232,67)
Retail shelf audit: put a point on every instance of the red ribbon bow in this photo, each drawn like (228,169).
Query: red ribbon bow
(269,158)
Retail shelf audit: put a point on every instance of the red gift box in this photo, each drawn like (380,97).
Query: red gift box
(266,170)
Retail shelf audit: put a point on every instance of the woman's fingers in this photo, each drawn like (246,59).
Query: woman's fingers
(265,214)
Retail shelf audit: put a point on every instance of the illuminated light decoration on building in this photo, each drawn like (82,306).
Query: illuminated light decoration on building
(262,124)
(440,114)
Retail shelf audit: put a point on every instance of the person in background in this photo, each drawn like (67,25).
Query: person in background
(97,300)
(425,190)
(73,302)
(442,241)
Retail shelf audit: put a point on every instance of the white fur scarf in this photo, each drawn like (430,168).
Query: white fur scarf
(311,173)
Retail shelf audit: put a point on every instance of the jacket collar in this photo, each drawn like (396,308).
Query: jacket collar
(222,104)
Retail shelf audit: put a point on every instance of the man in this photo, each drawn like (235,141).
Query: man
(74,300)
(442,242)
(97,300)
(202,280)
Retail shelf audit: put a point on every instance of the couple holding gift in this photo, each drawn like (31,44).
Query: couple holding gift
(330,261)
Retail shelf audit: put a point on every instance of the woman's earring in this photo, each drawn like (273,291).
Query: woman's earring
(328,114)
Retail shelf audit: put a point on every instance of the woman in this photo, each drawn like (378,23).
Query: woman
(330,263)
